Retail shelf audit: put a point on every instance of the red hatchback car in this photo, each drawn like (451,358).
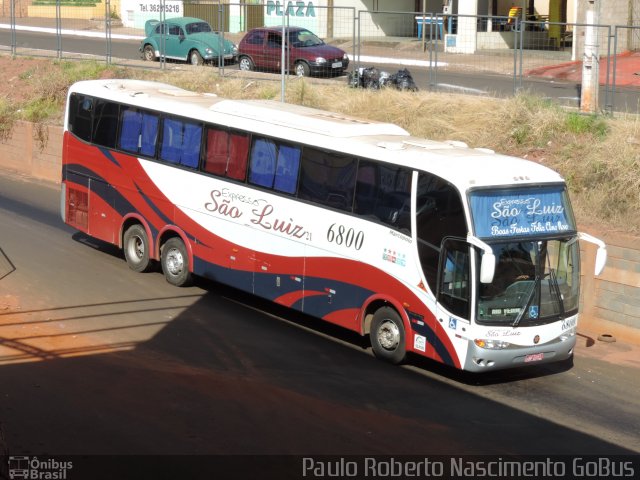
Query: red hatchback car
(261,49)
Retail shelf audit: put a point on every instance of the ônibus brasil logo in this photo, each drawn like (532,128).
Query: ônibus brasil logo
(32,468)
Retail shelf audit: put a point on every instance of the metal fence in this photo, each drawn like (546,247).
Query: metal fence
(489,55)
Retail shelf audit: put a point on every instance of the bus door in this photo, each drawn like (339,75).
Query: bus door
(454,286)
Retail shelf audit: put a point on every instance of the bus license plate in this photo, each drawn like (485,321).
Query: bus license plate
(534,357)
(336,65)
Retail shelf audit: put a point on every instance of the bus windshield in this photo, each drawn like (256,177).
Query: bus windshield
(535,282)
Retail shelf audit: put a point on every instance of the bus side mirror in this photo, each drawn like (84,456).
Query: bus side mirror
(601,260)
(487,267)
(488,260)
(601,254)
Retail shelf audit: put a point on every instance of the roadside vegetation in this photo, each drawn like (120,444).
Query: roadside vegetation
(597,155)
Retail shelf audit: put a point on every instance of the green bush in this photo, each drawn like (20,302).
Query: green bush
(580,124)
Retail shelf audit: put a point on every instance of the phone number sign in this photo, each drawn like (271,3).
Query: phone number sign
(146,8)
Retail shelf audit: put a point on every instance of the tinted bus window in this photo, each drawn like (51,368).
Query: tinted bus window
(263,162)
(439,214)
(274,165)
(238,155)
(226,153)
(217,156)
(80,113)
(105,123)
(138,132)
(287,169)
(383,193)
(181,142)
(328,178)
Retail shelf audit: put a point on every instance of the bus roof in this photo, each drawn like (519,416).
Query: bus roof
(462,166)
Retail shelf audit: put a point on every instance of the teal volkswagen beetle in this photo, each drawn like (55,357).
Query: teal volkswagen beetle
(186,39)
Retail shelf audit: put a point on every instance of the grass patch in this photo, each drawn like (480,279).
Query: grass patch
(40,109)
(581,124)
(7,118)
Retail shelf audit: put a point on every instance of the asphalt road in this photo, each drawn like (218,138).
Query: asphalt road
(97,359)
(474,83)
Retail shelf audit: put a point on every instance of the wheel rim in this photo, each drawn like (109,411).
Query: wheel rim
(244,64)
(194,59)
(300,70)
(135,248)
(388,335)
(174,262)
(148,53)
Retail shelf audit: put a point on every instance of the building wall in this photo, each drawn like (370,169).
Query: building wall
(20,8)
(33,150)
(398,21)
(625,13)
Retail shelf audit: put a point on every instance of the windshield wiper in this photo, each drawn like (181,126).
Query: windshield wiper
(534,287)
(555,290)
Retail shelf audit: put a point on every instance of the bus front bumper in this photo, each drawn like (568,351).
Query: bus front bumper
(484,360)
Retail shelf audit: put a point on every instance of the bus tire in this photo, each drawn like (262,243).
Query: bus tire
(175,262)
(136,248)
(387,335)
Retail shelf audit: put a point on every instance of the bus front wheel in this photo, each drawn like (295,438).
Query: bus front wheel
(175,262)
(136,249)
(387,335)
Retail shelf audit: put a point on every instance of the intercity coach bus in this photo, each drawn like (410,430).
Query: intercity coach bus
(461,255)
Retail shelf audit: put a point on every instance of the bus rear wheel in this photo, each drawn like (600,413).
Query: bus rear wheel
(387,335)
(136,249)
(175,263)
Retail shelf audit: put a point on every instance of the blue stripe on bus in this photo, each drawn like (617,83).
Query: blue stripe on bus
(347,296)
(154,207)
(426,331)
(109,156)
(344,295)
(235,278)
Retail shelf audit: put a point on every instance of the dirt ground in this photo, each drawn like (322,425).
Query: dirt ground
(16,73)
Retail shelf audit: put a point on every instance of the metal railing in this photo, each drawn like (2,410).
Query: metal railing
(442,52)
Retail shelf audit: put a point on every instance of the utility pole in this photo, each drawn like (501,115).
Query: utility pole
(329,19)
(590,60)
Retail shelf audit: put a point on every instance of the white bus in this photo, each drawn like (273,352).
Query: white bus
(458,254)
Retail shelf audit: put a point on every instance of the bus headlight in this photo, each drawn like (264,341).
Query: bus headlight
(491,344)
(568,334)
